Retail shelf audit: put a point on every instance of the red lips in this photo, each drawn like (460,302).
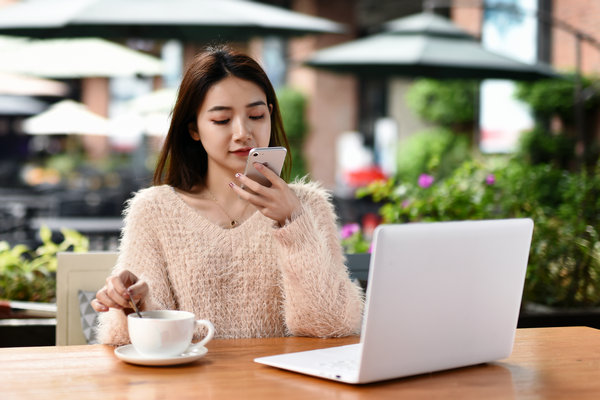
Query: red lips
(242,152)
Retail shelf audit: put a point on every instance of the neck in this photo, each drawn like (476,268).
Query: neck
(226,200)
(219,187)
(217,181)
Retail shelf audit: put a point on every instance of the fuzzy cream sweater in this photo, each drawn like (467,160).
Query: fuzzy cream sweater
(255,280)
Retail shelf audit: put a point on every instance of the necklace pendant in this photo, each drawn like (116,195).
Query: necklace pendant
(233,223)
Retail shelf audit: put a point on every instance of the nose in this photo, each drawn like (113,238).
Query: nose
(241,130)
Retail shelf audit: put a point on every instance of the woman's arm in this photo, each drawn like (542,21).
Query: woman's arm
(319,297)
(140,253)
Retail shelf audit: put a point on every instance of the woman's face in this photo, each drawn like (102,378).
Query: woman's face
(233,118)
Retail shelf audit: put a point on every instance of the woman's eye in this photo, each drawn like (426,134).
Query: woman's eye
(221,121)
(256,117)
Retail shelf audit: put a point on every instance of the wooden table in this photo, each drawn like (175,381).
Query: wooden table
(547,363)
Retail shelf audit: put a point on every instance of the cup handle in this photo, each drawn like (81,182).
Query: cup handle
(209,335)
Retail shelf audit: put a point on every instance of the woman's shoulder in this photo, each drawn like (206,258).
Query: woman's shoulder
(315,199)
(310,191)
(149,197)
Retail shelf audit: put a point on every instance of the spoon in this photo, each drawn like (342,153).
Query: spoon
(137,311)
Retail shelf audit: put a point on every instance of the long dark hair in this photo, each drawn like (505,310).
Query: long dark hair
(183,162)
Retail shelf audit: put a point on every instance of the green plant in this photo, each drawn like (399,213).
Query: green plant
(564,267)
(293,113)
(554,99)
(30,275)
(437,151)
(437,181)
(467,193)
(446,103)
(353,239)
(541,147)
(564,263)
(549,97)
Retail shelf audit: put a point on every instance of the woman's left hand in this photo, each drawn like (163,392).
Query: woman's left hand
(277,202)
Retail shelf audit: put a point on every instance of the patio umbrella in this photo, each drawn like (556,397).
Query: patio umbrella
(16,84)
(132,125)
(168,19)
(74,58)
(160,100)
(425,45)
(154,110)
(66,117)
(149,113)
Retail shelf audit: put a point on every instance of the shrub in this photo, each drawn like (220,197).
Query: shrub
(445,103)
(353,239)
(30,275)
(293,113)
(564,263)
(540,147)
(438,181)
(555,98)
(437,151)
(548,97)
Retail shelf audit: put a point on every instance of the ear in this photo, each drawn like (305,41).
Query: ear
(193,131)
(270,108)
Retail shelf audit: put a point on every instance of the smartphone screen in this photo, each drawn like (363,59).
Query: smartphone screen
(271,157)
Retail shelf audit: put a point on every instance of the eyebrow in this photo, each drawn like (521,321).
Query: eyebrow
(221,108)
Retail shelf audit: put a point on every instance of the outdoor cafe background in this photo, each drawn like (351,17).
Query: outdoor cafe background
(345,124)
(353,123)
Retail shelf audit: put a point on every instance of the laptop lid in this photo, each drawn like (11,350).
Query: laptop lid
(442,295)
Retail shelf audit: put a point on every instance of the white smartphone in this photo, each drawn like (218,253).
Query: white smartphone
(271,157)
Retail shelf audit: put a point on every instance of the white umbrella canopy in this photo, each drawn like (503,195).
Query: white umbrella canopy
(66,117)
(150,113)
(157,124)
(167,19)
(6,42)
(23,85)
(131,125)
(160,100)
(74,58)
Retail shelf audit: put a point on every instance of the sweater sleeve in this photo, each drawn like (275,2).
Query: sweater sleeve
(140,252)
(320,299)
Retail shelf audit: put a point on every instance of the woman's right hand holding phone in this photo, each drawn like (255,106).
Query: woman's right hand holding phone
(278,201)
(120,288)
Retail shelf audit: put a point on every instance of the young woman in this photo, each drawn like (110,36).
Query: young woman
(259,263)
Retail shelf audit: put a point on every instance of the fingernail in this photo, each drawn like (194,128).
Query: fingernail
(231,184)
(258,165)
(237,175)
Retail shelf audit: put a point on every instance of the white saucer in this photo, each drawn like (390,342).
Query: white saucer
(128,354)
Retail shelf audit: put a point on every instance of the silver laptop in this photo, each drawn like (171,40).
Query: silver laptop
(440,295)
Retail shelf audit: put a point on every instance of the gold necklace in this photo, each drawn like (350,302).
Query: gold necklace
(234,222)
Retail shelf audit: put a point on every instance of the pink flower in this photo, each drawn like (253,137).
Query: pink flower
(490,179)
(349,230)
(425,180)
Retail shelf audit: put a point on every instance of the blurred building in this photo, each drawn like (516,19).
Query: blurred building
(566,35)
(340,103)
(368,113)
(344,103)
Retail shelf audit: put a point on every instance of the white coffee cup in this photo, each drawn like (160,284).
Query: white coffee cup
(166,333)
